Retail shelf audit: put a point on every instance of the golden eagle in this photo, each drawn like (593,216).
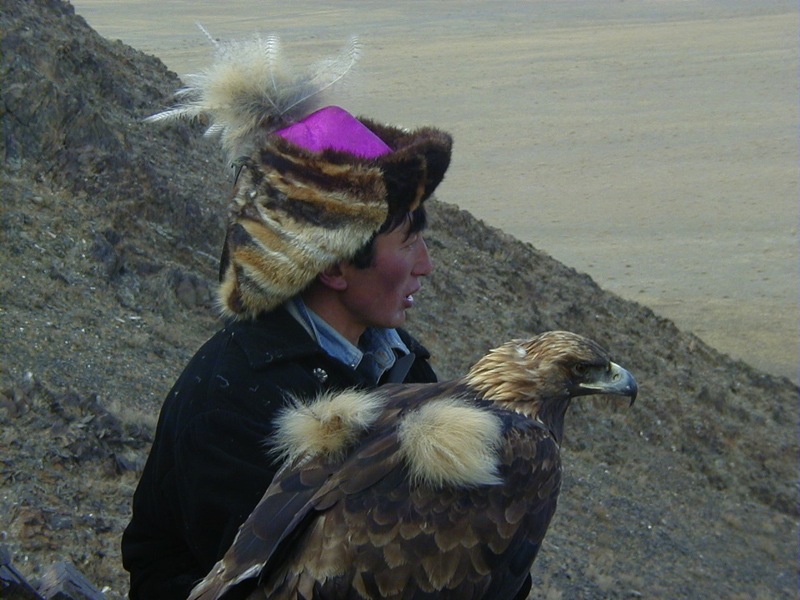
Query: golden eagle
(440,490)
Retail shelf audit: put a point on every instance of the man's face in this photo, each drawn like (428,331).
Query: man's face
(380,295)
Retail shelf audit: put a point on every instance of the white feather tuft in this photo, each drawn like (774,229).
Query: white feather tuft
(251,89)
(326,426)
(450,443)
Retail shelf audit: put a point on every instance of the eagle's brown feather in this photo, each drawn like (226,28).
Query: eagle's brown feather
(354,522)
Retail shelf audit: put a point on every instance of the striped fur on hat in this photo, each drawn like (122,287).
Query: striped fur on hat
(295,210)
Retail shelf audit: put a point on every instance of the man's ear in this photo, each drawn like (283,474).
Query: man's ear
(334,277)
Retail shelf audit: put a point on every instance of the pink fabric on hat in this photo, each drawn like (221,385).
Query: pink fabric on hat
(336,129)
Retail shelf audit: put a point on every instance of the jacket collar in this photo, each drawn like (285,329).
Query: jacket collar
(277,336)
(272,337)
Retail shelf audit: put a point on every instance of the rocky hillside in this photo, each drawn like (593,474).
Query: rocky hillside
(109,236)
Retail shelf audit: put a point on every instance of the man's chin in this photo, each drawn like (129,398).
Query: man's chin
(398,320)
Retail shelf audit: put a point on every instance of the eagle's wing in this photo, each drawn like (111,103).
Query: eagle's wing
(284,505)
(381,536)
(322,529)
(298,489)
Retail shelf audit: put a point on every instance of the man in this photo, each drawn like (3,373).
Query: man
(323,256)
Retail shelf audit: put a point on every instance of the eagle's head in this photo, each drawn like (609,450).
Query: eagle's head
(539,376)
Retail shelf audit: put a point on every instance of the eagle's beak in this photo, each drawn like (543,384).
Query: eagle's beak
(613,380)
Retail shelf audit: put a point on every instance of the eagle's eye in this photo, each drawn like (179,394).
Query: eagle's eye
(580,369)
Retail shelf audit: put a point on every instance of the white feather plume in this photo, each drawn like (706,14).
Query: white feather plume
(251,89)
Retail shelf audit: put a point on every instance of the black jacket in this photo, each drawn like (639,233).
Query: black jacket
(209,463)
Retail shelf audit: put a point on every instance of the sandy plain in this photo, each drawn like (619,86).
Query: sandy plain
(651,144)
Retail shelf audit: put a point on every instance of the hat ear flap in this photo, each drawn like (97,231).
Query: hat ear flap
(415,168)
(437,160)
(405,183)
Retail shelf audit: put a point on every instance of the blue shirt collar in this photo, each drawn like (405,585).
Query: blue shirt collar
(377,350)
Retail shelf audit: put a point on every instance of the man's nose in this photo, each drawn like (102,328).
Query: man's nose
(423,265)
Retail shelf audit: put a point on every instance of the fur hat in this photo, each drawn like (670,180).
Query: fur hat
(313,186)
